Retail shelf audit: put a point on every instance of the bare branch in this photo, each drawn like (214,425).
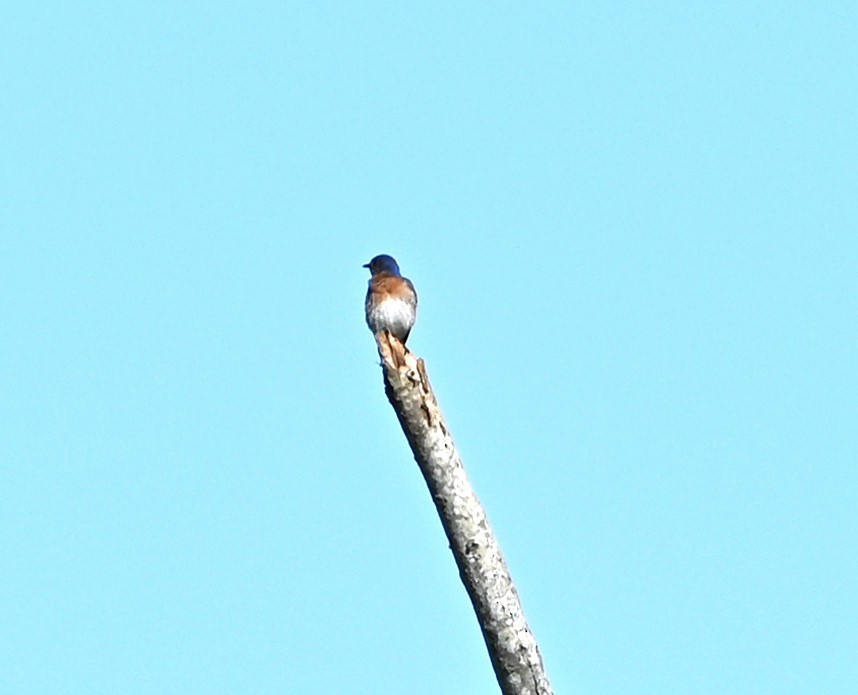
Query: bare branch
(512,647)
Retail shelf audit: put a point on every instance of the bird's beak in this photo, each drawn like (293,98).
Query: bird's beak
(365,265)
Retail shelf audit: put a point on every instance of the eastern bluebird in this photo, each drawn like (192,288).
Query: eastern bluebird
(391,302)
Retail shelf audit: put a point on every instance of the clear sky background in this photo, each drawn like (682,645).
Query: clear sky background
(634,233)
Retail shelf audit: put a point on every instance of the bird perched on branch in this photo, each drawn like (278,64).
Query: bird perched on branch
(391,302)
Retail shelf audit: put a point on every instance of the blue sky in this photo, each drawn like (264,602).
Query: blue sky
(633,233)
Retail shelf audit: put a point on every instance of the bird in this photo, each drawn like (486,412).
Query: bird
(391,301)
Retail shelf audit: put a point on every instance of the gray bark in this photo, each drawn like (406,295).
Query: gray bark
(512,647)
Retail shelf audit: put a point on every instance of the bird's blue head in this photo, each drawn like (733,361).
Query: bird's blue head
(383,264)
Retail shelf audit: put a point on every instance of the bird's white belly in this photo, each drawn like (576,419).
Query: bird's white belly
(394,315)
